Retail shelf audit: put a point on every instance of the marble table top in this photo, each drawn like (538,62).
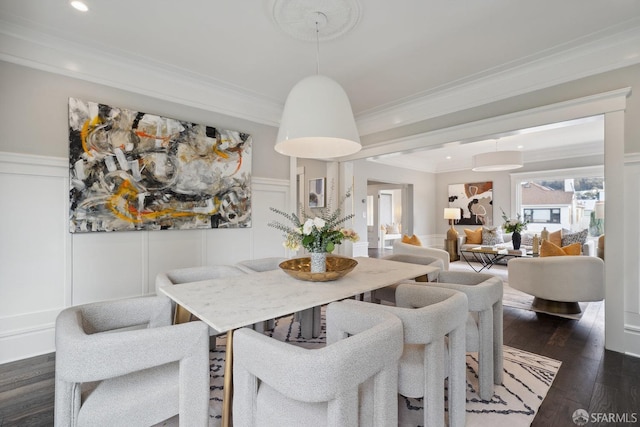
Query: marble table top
(233,302)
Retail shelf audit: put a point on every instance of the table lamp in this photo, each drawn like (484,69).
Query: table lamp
(452,235)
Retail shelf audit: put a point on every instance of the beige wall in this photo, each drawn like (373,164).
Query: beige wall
(34,116)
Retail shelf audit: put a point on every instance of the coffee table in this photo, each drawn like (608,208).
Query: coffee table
(488,256)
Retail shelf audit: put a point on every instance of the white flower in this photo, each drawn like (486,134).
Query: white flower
(319,222)
(308,226)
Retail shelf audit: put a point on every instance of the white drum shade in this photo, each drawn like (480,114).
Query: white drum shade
(451,213)
(497,161)
(317,121)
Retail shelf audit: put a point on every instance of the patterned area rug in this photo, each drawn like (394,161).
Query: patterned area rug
(527,378)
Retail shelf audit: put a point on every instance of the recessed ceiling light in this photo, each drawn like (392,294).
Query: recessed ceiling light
(81,6)
(448,157)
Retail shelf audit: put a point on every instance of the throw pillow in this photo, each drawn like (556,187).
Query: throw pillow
(474,237)
(527,240)
(491,236)
(556,238)
(579,237)
(549,249)
(413,240)
(395,228)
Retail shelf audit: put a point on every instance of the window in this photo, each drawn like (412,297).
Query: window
(560,199)
(542,216)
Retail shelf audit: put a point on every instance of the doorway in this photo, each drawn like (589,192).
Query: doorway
(389,212)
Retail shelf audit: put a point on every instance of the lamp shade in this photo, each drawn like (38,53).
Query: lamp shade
(317,121)
(497,161)
(451,213)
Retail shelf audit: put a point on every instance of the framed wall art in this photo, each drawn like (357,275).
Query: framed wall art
(131,170)
(475,201)
(317,197)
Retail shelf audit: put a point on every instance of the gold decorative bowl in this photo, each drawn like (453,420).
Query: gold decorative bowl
(300,268)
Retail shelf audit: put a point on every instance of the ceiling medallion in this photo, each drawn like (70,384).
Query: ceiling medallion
(298,18)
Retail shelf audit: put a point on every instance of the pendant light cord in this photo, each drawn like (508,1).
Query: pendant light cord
(317,48)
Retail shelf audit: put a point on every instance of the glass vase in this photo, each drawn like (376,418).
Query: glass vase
(318,262)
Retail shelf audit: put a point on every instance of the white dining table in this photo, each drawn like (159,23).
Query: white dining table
(230,303)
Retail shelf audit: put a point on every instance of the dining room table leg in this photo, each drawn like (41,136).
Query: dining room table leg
(227,391)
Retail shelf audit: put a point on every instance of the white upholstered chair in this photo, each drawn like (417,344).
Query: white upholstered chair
(406,248)
(484,324)
(388,293)
(350,382)
(434,322)
(108,373)
(558,283)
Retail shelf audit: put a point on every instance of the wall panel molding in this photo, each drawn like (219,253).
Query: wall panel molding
(49,268)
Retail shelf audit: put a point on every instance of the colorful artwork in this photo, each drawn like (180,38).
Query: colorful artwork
(136,171)
(475,201)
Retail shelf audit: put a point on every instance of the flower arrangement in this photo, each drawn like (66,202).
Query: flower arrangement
(513,225)
(316,234)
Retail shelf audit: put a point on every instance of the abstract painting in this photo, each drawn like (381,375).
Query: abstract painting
(131,170)
(475,201)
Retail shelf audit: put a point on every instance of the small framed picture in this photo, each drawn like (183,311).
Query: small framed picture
(316,193)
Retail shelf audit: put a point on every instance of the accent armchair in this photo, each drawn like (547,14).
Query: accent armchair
(484,323)
(350,382)
(434,322)
(108,373)
(558,283)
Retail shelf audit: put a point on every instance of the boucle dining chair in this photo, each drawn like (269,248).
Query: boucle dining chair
(484,324)
(388,293)
(350,382)
(434,322)
(123,363)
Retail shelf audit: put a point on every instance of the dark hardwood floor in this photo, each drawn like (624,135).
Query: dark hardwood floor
(590,378)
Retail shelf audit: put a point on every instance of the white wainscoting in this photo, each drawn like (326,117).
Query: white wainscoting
(631,254)
(44,268)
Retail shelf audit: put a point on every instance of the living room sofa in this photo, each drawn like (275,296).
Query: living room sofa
(588,247)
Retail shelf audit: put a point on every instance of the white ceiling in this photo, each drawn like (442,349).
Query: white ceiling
(577,138)
(399,55)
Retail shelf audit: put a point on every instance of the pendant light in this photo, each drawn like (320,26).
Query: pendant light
(497,161)
(317,120)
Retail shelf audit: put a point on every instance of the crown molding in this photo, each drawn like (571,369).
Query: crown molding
(614,100)
(24,46)
(609,53)
(31,48)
